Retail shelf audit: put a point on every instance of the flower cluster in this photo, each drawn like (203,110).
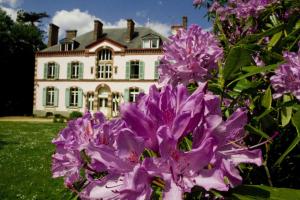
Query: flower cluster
(287,77)
(240,8)
(190,55)
(168,138)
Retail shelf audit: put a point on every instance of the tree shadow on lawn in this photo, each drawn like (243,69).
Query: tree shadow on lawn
(4,143)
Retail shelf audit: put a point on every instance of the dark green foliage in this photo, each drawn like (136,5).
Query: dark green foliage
(18,43)
(75,115)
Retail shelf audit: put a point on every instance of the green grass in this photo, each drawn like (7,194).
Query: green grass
(25,161)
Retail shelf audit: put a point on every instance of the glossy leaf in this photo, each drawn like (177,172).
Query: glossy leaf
(237,58)
(267,99)
(250,192)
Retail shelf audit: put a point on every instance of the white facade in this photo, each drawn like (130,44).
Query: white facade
(80,83)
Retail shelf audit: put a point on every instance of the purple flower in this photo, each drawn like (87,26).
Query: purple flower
(166,119)
(190,55)
(287,77)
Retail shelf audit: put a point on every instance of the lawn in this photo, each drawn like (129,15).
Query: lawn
(25,161)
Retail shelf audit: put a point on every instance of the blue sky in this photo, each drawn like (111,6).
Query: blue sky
(79,14)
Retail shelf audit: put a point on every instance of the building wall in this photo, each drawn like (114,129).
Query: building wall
(89,83)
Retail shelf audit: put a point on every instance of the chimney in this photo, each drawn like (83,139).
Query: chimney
(71,34)
(130,30)
(52,35)
(98,29)
(184,22)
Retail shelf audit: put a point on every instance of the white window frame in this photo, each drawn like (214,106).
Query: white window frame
(133,93)
(50,92)
(149,43)
(75,70)
(51,69)
(104,71)
(105,55)
(74,97)
(137,64)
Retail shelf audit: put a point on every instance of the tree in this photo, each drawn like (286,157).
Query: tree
(18,43)
(32,17)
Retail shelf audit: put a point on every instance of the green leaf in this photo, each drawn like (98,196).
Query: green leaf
(237,58)
(286,112)
(296,122)
(260,192)
(255,37)
(289,149)
(274,40)
(256,131)
(267,99)
(255,71)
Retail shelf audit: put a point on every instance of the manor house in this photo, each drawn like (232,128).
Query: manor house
(96,71)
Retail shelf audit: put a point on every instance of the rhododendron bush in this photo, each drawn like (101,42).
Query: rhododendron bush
(222,123)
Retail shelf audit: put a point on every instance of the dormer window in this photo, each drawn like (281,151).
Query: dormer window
(66,46)
(151,41)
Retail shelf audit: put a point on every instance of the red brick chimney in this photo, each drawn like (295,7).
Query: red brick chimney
(52,35)
(184,22)
(130,30)
(98,29)
(71,34)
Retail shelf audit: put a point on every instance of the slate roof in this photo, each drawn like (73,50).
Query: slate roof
(115,34)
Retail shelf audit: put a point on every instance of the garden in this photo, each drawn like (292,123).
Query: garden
(224,122)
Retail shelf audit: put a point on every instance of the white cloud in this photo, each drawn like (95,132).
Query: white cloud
(83,22)
(11,3)
(10,12)
(159,27)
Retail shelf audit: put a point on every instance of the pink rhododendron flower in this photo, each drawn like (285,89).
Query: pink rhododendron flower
(190,55)
(287,77)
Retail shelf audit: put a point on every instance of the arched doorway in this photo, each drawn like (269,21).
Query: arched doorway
(103,99)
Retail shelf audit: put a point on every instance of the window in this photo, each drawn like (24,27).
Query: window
(75,70)
(51,71)
(66,46)
(133,93)
(115,104)
(74,97)
(50,92)
(90,102)
(151,43)
(134,69)
(104,71)
(105,54)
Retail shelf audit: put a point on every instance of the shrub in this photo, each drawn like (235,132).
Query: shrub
(75,115)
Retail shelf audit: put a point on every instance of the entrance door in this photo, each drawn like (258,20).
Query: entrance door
(103,100)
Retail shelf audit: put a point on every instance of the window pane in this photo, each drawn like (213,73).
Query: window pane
(146,43)
(134,69)
(154,43)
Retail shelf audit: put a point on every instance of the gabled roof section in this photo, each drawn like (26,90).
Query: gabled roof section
(150,35)
(118,35)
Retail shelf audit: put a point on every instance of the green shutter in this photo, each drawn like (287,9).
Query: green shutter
(126,95)
(44,96)
(80,97)
(142,70)
(45,70)
(156,75)
(80,70)
(127,70)
(56,97)
(69,71)
(56,71)
(67,97)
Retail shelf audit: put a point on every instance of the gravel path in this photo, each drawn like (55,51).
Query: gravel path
(24,119)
